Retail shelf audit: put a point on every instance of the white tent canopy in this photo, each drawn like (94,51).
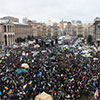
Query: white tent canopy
(43,96)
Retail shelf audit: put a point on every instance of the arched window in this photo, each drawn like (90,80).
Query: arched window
(8,28)
(4,28)
(5,38)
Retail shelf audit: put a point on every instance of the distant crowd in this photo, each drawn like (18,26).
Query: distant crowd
(58,72)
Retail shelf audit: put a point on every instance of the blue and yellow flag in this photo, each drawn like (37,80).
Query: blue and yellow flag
(30,82)
(22,80)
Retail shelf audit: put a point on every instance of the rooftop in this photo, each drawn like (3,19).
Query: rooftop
(7,21)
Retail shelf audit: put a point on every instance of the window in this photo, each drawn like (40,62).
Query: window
(8,28)
(4,28)
(98,29)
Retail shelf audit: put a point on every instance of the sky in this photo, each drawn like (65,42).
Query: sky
(54,10)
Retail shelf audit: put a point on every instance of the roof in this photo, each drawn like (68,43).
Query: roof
(4,21)
(17,23)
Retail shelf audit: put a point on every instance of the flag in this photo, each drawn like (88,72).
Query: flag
(43,87)
(22,80)
(40,74)
(9,92)
(3,67)
(7,81)
(94,84)
(61,85)
(30,82)
(24,86)
(1,73)
(96,94)
(2,54)
(97,77)
(0,93)
(83,78)
(49,84)
(5,57)
(7,70)
(4,78)
(6,88)
(72,79)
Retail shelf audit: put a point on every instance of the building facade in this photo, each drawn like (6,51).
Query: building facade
(96,32)
(10,31)
(90,29)
(40,29)
(75,28)
(13,19)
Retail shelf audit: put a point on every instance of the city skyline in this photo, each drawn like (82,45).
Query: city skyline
(44,10)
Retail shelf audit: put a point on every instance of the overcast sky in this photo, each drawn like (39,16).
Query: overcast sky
(55,10)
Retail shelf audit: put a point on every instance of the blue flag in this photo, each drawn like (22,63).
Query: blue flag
(0,93)
(94,84)
(40,74)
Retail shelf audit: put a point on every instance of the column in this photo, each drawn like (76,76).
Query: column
(10,28)
(13,38)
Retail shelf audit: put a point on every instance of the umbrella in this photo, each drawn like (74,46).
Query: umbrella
(94,78)
(36,46)
(20,71)
(95,58)
(25,65)
(7,54)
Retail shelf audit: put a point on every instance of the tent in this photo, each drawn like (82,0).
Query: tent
(43,96)
(25,65)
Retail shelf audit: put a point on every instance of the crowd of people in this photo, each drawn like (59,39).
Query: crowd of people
(59,72)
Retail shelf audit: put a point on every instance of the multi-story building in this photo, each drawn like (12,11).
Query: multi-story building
(76,28)
(73,29)
(90,29)
(40,29)
(10,31)
(69,28)
(13,19)
(55,30)
(96,26)
(44,29)
(80,29)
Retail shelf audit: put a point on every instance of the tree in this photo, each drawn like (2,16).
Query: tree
(19,39)
(64,33)
(32,37)
(29,37)
(24,39)
(80,35)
